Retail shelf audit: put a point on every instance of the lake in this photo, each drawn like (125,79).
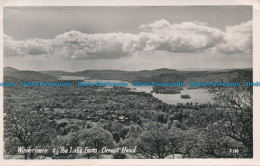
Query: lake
(71,78)
(200,96)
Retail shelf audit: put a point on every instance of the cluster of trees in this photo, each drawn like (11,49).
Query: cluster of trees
(220,130)
(26,128)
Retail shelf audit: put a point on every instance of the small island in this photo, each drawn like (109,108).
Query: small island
(167,90)
(185,96)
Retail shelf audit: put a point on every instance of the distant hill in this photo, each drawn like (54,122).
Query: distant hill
(57,73)
(158,75)
(114,74)
(10,70)
(27,75)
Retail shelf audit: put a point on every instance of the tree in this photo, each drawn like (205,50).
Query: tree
(189,140)
(119,156)
(79,116)
(158,141)
(70,127)
(124,132)
(134,131)
(161,118)
(212,143)
(236,123)
(116,136)
(96,137)
(130,142)
(176,124)
(171,118)
(68,142)
(29,129)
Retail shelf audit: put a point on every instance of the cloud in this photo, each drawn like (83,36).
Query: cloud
(159,35)
(238,39)
(27,47)
(95,46)
(184,37)
(7,38)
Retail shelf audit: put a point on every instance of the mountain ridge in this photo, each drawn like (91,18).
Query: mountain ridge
(157,75)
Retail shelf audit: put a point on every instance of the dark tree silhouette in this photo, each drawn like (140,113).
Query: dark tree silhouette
(28,129)
(157,141)
(236,123)
(96,137)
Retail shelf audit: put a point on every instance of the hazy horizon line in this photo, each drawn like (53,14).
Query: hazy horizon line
(188,69)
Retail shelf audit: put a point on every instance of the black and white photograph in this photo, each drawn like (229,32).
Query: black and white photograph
(128,82)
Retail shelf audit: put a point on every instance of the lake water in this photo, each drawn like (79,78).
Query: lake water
(71,78)
(199,96)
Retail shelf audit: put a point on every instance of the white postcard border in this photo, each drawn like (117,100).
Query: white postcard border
(256,73)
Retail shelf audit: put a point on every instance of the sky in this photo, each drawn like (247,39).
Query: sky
(128,38)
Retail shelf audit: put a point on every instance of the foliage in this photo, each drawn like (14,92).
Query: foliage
(96,137)
(158,141)
(28,128)
(119,156)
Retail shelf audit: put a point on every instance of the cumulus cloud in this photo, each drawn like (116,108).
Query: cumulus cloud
(159,35)
(95,46)
(184,37)
(27,47)
(238,39)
